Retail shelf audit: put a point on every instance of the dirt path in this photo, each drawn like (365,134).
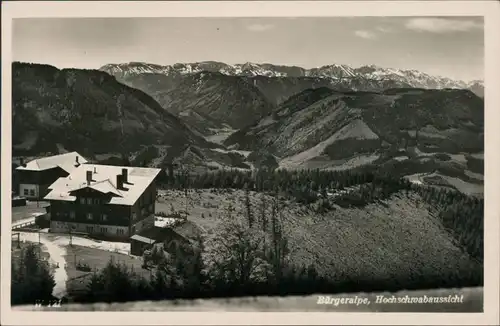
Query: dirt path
(57,254)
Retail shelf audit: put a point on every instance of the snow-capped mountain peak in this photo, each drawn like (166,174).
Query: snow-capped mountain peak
(411,77)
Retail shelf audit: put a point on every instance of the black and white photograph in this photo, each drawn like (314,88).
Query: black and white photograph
(246,164)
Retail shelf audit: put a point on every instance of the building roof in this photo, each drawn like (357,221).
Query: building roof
(104,181)
(66,161)
(188,230)
(162,234)
(139,238)
(105,186)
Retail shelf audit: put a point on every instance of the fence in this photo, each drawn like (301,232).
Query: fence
(18,246)
(85,264)
(80,271)
(22,225)
(17,242)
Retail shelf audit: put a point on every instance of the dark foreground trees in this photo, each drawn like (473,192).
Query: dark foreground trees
(239,259)
(32,280)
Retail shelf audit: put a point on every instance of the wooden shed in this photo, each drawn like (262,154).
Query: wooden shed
(140,243)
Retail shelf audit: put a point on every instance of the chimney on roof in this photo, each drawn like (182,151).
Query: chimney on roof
(119,182)
(76,161)
(89,177)
(95,169)
(125,175)
(21,162)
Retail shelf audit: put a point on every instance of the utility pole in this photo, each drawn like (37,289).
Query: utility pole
(187,184)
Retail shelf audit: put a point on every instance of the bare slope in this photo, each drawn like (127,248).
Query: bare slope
(398,239)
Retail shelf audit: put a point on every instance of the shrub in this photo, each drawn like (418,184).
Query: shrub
(442,157)
(83,267)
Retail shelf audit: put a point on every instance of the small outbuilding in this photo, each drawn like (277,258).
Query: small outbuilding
(18,201)
(138,244)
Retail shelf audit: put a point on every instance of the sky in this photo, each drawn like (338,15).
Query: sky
(447,46)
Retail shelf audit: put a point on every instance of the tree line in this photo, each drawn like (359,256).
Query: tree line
(302,184)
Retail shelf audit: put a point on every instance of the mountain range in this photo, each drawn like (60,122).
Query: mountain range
(211,95)
(411,78)
(211,115)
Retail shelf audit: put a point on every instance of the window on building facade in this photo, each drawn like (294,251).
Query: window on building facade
(32,192)
(82,200)
(89,201)
(89,216)
(104,217)
(134,216)
(89,229)
(96,201)
(72,214)
(26,192)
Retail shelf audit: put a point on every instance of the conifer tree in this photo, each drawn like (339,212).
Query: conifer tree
(31,278)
